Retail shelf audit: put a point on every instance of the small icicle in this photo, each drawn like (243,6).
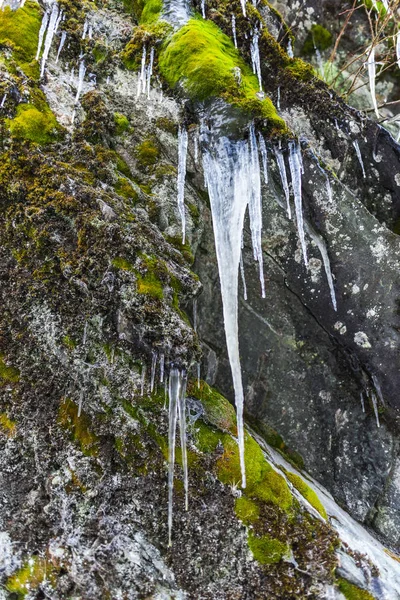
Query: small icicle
(278,98)
(3,100)
(61,46)
(90,33)
(142,75)
(255,208)
(203,8)
(153,370)
(359,156)
(60,18)
(198,374)
(243,3)
(142,379)
(372,76)
(182,427)
(264,156)
(362,402)
(300,156)
(243,277)
(49,37)
(398,48)
(43,27)
(150,71)
(182,156)
(255,56)
(295,170)
(378,389)
(290,49)
(81,76)
(375,405)
(162,363)
(174,394)
(196,147)
(234,30)
(282,171)
(195,315)
(320,243)
(85,29)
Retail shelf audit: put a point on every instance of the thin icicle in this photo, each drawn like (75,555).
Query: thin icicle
(300,157)
(182,156)
(198,374)
(378,389)
(255,56)
(362,402)
(243,3)
(295,170)
(203,8)
(85,29)
(398,48)
(174,393)
(3,100)
(234,30)
(153,370)
(282,171)
(195,315)
(142,74)
(49,37)
(42,31)
(290,49)
(142,379)
(182,427)
(372,76)
(61,46)
(57,25)
(81,76)
(264,156)
(320,243)
(278,98)
(196,147)
(375,405)
(359,156)
(255,209)
(243,276)
(162,363)
(150,71)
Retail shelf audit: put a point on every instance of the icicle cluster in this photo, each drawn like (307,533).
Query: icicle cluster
(50,24)
(296,170)
(146,73)
(182,156)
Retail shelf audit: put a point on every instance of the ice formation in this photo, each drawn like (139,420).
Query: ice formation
(182,156)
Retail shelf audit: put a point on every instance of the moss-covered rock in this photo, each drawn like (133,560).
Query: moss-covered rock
(19,30)
(267,550)
(307,492)
(31,124)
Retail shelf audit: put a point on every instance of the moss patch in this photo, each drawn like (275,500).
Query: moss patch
(122,263)
(246,510)
(79,427)
(218,410)
(19,29)
(151,11)
(121,123)
(150,285)
(352,592)
(34,125)
(267,550)
(8,373)
(34,572)
(307,492)
(147,153)
(318,38)
(124,188)
(8,427)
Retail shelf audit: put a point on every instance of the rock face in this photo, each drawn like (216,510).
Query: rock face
(95,282)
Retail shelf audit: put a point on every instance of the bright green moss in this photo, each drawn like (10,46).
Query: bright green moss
(19,29)
(99,53)
(246,510)
(151,11)
(121,123)
(376,6)
(147,153)
(207,64)
(218,410)
(318,38)
(79,427)
(149,285)
(69,342)
(267,550)
(8,373)
(207,439)
(124,188)
(34,125)
(307,493)
(34,572)
(7,426)
(352,592)
(122,263)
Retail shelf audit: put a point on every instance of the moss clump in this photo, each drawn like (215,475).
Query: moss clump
(69,342)
(147,153)
(150,285)
(8,427)
(207,64)
(151,11)
(307,493)
(167,125)
(19,29)
(352,592)
(218,410)
(124,188)
(122,263)
(34,125)
(207,439)
(267,550)
(99,53)
(79,427)
(247,510)
(34,572)
(121,123)
(318,38)
(7,373)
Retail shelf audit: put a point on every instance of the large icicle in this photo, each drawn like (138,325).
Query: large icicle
(49,36)
(203,8)
(255,56)
(174,391)
(243,3)
(372,75)
(61,46)
(182,155)
(42,31)
(282,171)
(142,75)
(81,76)
(255,209)
(295,170)
(264,156)
(150,71)
(182,427)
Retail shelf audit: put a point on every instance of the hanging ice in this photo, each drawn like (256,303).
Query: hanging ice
(42,31)
(203,8)
(142,75)
(49,36)
(153,370)
(359,156)
(264,156)
(290,49)
(320,243)
(182,427)
(195,315)
(398,48)
(243,276)
(61,46)
(81,76)
(255,209)
(234,30)
(142,379)
(243,3)
(150,71)
(85,28)
(282,171)
(255,56)
(375,405)
(295,170)
(378,389)
(182,155)
(372,75)
(3,100)
(196,147)
(278,99)
(162,361)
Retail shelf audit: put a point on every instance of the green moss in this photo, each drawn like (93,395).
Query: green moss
(8,373)
(352,592)
(151,11)
(121,123)
(19,29)
(122,263)
(379,7)
(300,70)
(69,342)
(167,125)
(205,61)
(8,427)
(150,285)
(218,411)
(307,492)
(124,188)
(147,153)
(34,125)
(267,550)
(207,439)
(79,427)
(99,53)
(318,38)
(247,510)
(185,249)
(34,572)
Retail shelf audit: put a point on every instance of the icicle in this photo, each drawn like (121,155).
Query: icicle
(255,56)
(150,71)
(359,156)
(57,25)
(375,405)
(255,209)
(42,31)
(378,389)
(195,315)
(234,30)
(3,100)
(362,402)
(300,157)
(243,3)
(203,8)
(162,362)
(196,148)
(49,37)
(61,46)
(243,277)
(182,427)
(85,28)
(278,99)
(81,76)
(182,155)
(264,156)
(198,374)
(153,370)
(174,393)
(372,75)
(84,338)
(320,243)
(398,48)
(142,379)
(90,33)
(142,75)
(290,49)
(295,170)
(282,171)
